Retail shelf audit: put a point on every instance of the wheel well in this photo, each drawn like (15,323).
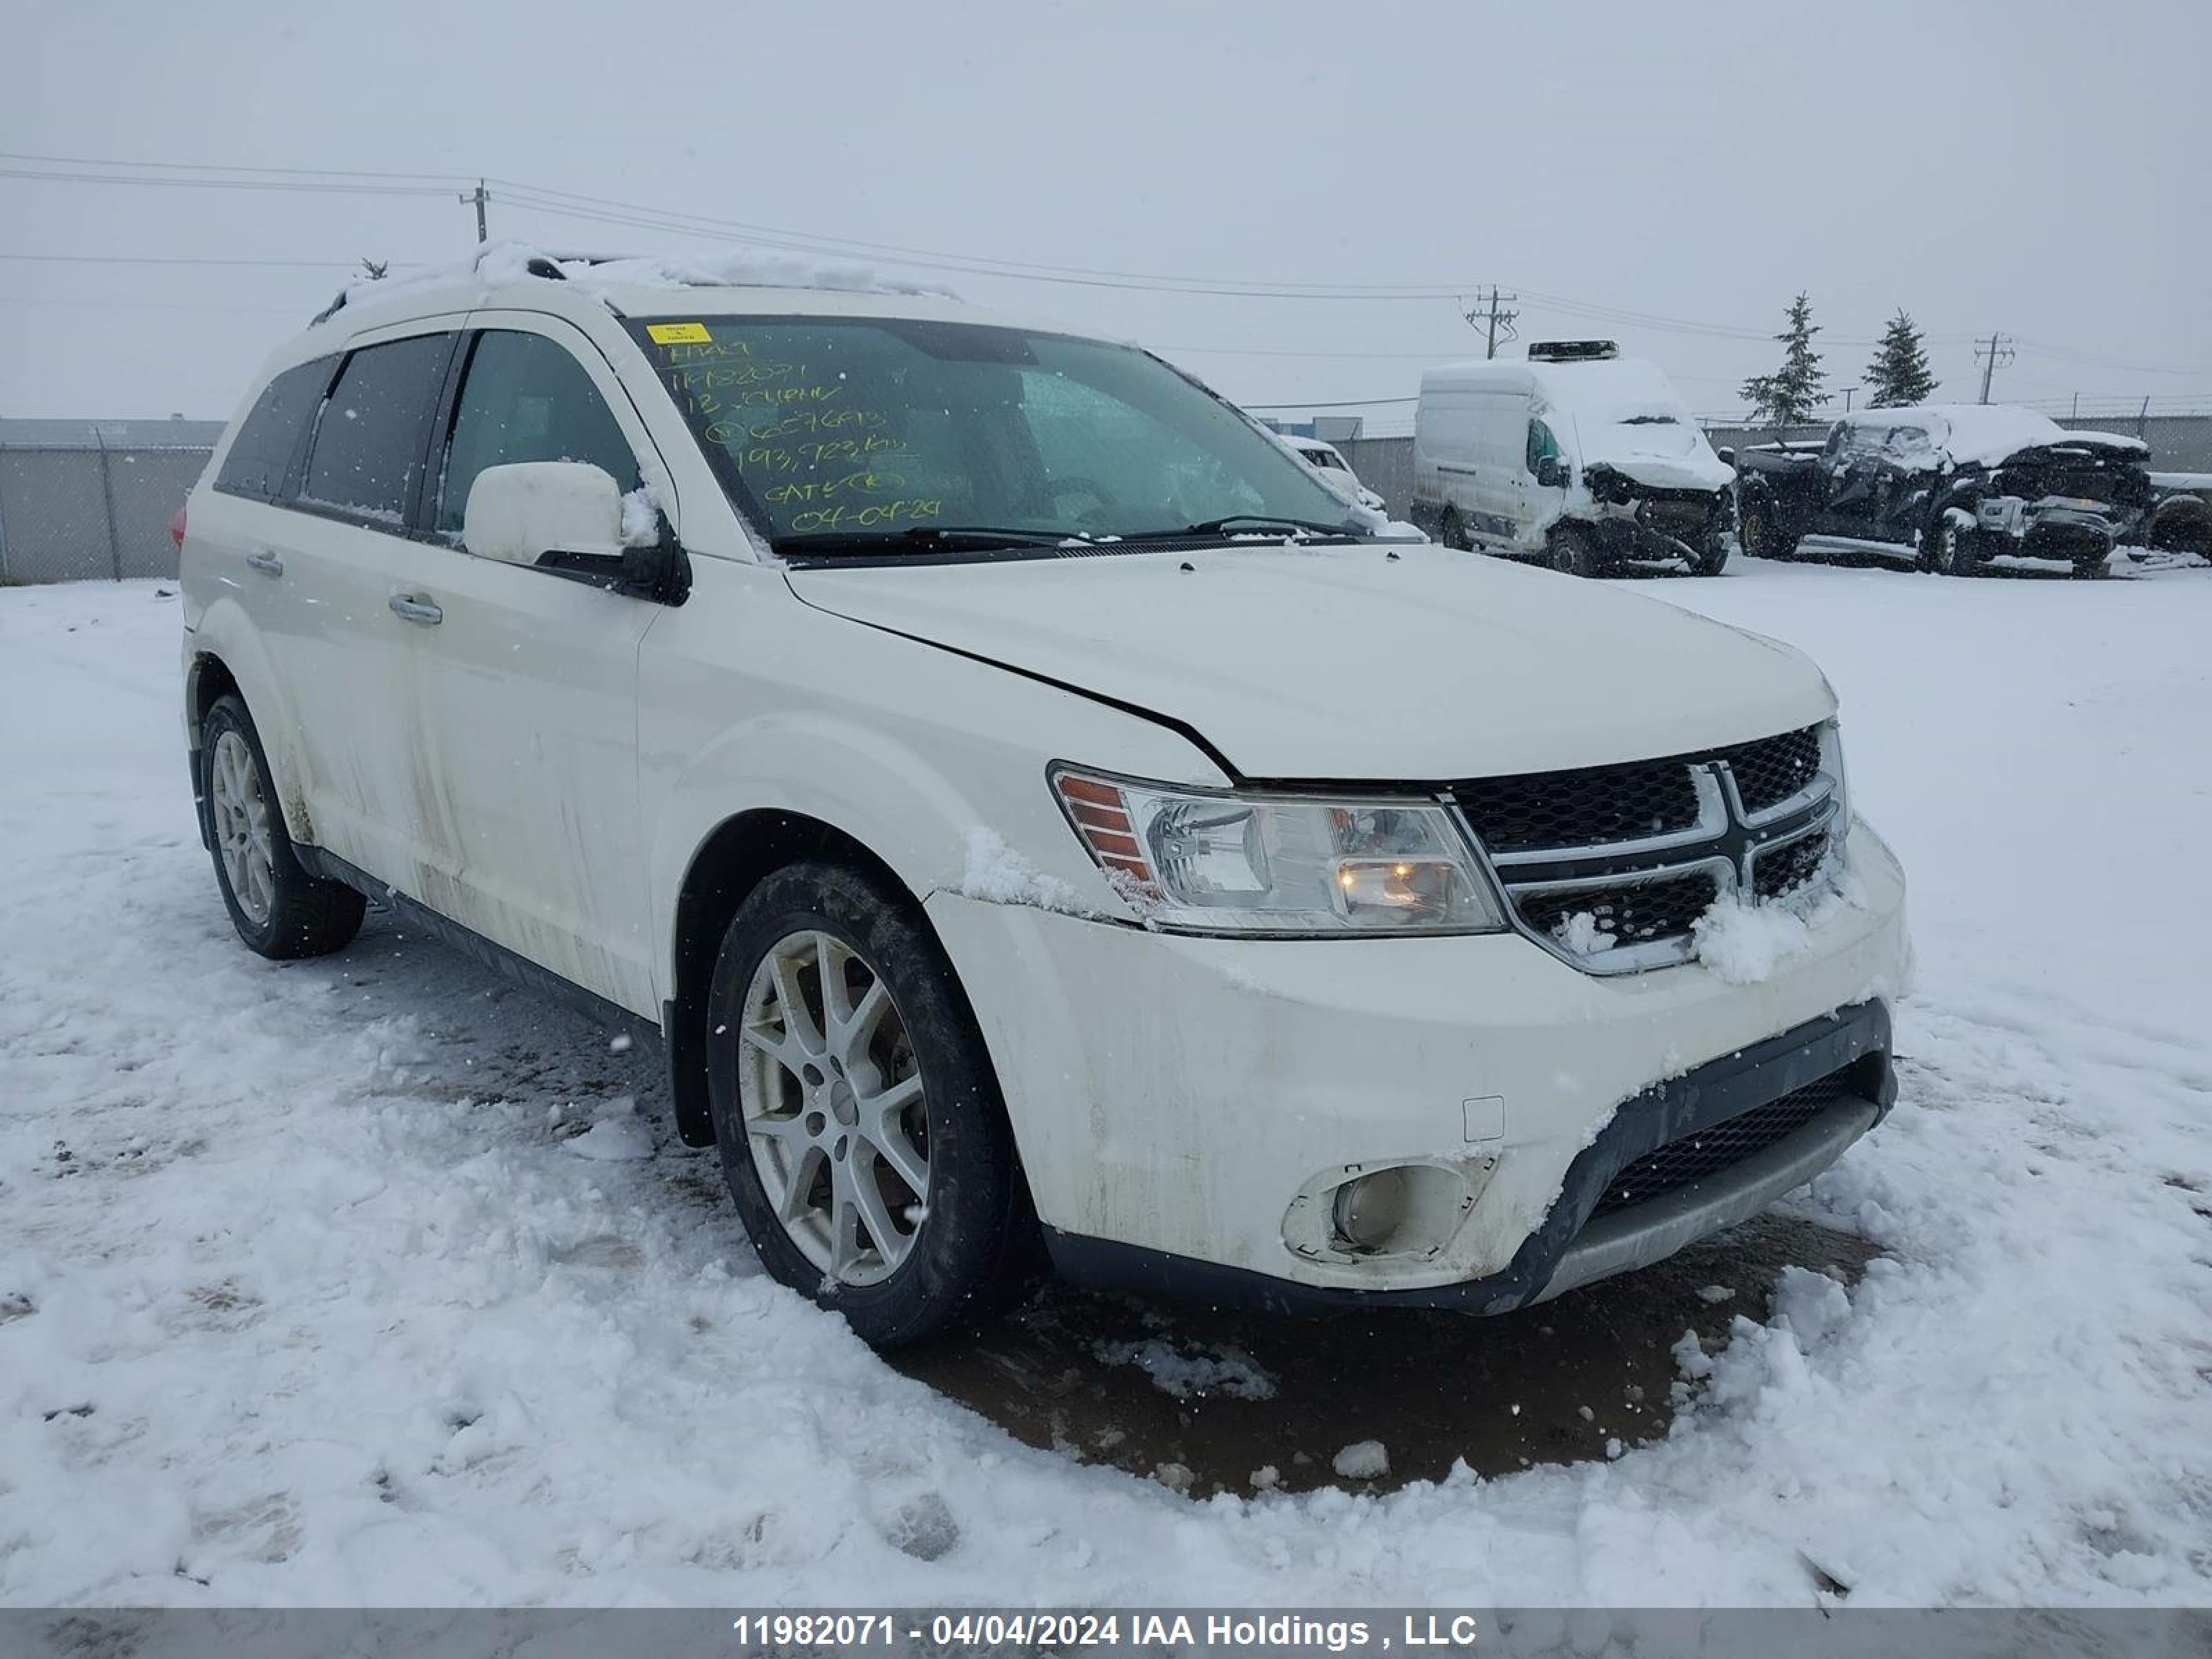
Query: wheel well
(209,680)
(741,853)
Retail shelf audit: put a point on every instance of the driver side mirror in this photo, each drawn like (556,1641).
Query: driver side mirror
(1551,472)
(1727,453)
(567,517)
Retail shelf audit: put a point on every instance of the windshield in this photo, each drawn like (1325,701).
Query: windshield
(870,434)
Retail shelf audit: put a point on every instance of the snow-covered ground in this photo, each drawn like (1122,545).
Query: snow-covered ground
(362,1280)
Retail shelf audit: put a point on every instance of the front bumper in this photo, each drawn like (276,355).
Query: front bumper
(1175,1099)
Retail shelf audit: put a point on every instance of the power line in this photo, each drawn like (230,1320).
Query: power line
(172,259)
(311,186)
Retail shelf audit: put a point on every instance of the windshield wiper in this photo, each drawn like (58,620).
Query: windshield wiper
(924,537)
(1260,522)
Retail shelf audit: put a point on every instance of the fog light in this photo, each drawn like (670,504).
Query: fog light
(1372,1209)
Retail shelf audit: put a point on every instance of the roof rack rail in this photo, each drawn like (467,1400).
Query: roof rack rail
(539,265)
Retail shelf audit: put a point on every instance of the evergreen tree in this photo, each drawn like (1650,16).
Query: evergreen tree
(1899,374)
(1790,395)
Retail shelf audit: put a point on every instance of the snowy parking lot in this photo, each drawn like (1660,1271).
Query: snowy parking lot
(374,1279)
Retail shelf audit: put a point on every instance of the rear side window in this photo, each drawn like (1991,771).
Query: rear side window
(368,442)
(267,438)
(526,399)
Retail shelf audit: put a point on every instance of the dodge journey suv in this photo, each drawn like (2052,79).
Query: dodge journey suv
(1037,814)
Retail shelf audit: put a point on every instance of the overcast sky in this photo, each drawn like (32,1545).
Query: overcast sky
(2033,167)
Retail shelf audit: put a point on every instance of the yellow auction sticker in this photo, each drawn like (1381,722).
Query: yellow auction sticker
(679,333)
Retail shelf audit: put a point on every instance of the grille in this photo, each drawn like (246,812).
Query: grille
(1718,1146)
(1587,808)
(1600,805)
(1573,843)
(1769,771)
(1635,913)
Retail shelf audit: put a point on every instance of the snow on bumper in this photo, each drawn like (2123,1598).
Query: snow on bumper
(1184,1095)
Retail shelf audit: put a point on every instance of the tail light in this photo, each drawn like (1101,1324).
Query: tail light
(177,528)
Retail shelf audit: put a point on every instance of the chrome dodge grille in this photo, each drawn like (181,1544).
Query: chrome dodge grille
(1608,866)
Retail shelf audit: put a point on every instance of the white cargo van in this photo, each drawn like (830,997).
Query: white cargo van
(1578,457)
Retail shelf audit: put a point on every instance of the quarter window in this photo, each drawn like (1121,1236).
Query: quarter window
(369,440)
(262,451)
(527,399)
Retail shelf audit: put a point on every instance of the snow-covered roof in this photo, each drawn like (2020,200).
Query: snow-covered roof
(1980,435)
(637,285)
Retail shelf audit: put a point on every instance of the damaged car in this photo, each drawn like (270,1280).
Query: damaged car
(1577,458)
(1947,487)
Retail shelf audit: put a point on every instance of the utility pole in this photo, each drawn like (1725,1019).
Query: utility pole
(480,196)
(1997,348)
(1493,320)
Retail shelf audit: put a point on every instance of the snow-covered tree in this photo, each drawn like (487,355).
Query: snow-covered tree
(1899,374)
(1790,395)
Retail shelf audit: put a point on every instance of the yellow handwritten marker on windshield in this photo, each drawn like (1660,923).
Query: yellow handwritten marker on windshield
(679,334)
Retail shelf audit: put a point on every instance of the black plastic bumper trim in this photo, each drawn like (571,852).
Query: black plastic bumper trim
(1856,1037)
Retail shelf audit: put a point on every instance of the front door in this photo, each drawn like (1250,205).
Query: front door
(529,679)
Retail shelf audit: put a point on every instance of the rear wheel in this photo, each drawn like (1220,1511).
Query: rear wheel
(1571,553)
(857,1114)
(1453,531)
(1949,548)
(279,910)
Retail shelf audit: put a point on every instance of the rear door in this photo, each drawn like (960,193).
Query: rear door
(527,680)
(342,650)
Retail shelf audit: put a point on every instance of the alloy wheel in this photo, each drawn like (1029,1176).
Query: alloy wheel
(834,1114)
(242,826)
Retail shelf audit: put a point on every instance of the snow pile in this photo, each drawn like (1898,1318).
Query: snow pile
(998,874)
(1363,1460)
(1191,1375)
(641,518)
(1581,934)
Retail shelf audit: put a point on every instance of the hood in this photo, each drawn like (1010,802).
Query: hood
(1668,455)
(1344,663)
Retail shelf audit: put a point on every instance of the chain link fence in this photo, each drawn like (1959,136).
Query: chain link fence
(81,500)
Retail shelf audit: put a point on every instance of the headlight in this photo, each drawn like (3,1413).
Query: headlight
(1195,862)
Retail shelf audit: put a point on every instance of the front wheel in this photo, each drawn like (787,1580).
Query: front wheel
(1762,533)
(1571,553)
(1712,556)
(858,1117)
(279,910)
(1453,531)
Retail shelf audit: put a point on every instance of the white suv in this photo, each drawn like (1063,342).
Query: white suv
(1032,808)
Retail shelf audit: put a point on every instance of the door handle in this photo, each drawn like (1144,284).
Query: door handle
(415,609)
(267,563)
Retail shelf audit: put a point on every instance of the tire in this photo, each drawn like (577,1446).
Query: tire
(2090,570)
(1948,550)
(279,910)
(1761,535)
(1453,532)
(897,1126)
(1712,556)
(1571,553)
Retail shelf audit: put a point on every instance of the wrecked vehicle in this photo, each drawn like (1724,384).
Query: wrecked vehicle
(1578,457)
(1947,486)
